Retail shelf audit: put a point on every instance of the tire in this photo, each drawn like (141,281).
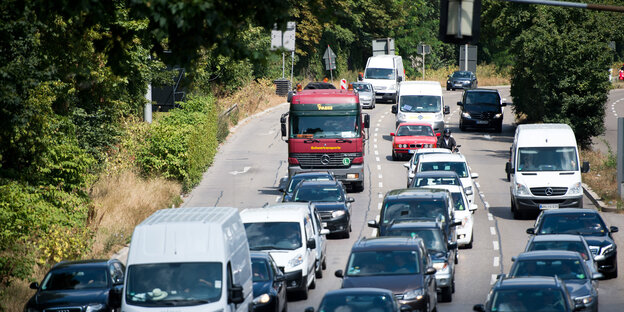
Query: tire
(613,274)
(324,264)
(499,128)
(313,284)
(319,273)
(358,187)
(447,88)
(446,294)
(346,234)
(461,126)
(394,156)
(516,214)
(304,292)
(469,245)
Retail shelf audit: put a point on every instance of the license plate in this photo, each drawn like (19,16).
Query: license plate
(482,122)
(411,151)
(379,96)
(549,206)
(458,84)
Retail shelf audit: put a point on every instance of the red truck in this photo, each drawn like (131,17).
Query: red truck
(326,130)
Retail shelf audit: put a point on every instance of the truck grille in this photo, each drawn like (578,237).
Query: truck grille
(320,160)
(549,191)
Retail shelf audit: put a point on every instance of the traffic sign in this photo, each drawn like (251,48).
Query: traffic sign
(424,49)
(330,59)
(343,84)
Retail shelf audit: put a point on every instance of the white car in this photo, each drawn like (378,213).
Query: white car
(411,165)
(455,162)
(463,213)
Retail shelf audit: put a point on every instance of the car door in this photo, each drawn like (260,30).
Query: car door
(116,271)
(321,240)
(430,280)
(310,252)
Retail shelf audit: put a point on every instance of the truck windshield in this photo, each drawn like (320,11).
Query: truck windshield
(379,73)
(174,284)
(421,103)
(324,126)
(547,159)
(273,235)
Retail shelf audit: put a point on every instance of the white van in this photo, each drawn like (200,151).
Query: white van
(385,72)
(421,101)
(287,234)
(189,259)
(544,170)
(319,233)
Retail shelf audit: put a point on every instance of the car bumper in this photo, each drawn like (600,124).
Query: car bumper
(336,225)
(533,203)
(351,175)
(410,150)
(458,85)
(270,306)
(416,305)
(366,103)
(388,96)
(295,281)
(609,264)
(443,280)
(481,123)
(464,235)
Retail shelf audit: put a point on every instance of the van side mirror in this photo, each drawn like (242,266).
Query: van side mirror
(530,231)
(289,97)
(394,109)
(474,175)
(366,121)
(473,207)
(585,167)
(447,110)
(236,295)
(283,129)
(350,199)
(339,274)
(373,224)
(460,103)
(311,243)
(613,229)
(406,165)
(451,245)
(399,79)
(478,308)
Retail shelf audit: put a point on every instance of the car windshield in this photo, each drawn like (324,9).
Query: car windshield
(75,278)
(387,262)
(318,194)
(273,235)
(566,269)
(482,98)
(529,300)
(298,178)
(457,166)
(362,87)
(415,209)
(431,237)
(358,302)
(547,159)
(325,126)
(420,103)
(461,74)
(580,224)
(577,246)
(414,130)
(458,201)
(420,182)
(174,284)
(379,73)
(260,269)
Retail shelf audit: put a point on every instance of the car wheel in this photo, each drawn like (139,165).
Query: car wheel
(324,264)
(447,294)
(304,292)
(319,273)
(447,88)
(346,234)
(514,210)
(461,126)
(313,284)
(613,274)
(357,187)
(469,245)
(394,156)
(499,128)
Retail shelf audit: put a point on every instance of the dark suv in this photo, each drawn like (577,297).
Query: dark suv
(88,285)
(481,108)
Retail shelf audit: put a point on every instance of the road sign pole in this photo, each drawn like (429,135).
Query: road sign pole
(424,62)
(282,64)
(292,65)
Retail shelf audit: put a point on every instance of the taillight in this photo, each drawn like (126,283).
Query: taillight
(358,160)
(293,161)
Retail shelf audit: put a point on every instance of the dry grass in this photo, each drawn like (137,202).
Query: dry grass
(602,176)
(14,297)
(487,75)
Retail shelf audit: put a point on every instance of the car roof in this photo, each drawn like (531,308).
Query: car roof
(462,71)
(433,150)
(436,174)
(319,183)
(557,237)
(442,157)
(359,290)
(84,263)
(412,224)
(528,282)
(387,244)
(311,173)
(416,193)
(450,188)
(569,211)
(549,254)
(415,124)
(481,90)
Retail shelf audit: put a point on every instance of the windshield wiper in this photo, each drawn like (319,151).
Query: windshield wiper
(343,141)
(311,141)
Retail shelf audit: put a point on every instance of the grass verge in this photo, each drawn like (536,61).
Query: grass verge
(602,176)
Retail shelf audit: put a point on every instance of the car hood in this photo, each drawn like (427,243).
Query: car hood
(482,108)
(381,82)
(438,256)
(414,139)
(398,284)
(598,241)
(330,206)
(579,288)
(71,297)
(459,79)
(260,288)
(366,93)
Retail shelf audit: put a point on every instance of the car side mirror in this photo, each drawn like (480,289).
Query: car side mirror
(513,259)
(350,199)
(394,109)
(613,229)
(339,274)
(118,281)
(460,103)
(366,121)
(311,243)
(585,167)
(447,110)
(309,309)
(468,191)
(474,175)
(282,184)
(406,165)
(373,224)
(236,295)
(34,285)
(451,245)
(597,276)
(530,231)
(439,134)
(473,207)
(430,271)
(392,134)
(325,232)
(289,97)
(478,308)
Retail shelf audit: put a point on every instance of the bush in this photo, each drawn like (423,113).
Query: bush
(182,143)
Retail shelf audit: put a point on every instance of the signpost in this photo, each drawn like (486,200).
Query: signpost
(286,40)
(330,61)
(424,49)
(469,53)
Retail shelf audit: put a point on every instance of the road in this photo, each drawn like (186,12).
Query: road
(614,108)
(247,169)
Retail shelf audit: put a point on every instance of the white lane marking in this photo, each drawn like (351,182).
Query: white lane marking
(387,113)
(376,129)
(496,261)
(495,245)
(277,198)
(376,134)
(239,172)
(377,124)
(380,195)
(492,230)
(487,136)
(375,146)
(376,152)
(478,185)
(374,233)
(490,217)
(377,158)
(377,218)
(378,167)
(379,206)
(380,176)
(380,184)
(375,140)
(493,279)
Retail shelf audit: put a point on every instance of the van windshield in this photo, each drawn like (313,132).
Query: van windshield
(379,73)
(421,103)
(273,235)
(174,284)
(547,159)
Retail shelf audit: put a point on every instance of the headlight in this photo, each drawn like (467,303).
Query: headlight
(522,190)
(586,300)
(296,261)
(440,266)
(392,87)
(400,116)
(499,115)
(576,189)
(262,299)
(607,249)
(414,294)
(338,213)
(438,116)
(95,307)
(465,115)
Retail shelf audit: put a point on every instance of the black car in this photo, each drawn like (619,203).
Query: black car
(330,201)
(461,79)
(359,299)
(287,185)
(481,108)
(399,264)
(528,294)
(569,266)
(443,251)
(87,285)
(564,242)
(269,288)
(586,222)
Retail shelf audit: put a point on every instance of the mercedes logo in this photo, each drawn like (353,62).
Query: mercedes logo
(325,159)
(549,191)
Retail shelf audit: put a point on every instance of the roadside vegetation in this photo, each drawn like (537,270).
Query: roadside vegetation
(602,176)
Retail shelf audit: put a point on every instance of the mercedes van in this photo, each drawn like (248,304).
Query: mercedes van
(189,259)
(385,72)
(544,169)
(421,101)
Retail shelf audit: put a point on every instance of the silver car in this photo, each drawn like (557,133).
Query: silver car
(366,93)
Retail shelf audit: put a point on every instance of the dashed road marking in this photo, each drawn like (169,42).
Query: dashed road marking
(379,206)
(380,176)
(377,124)
(492,230)
(378,167)
(376,129)
(380,195)
(277,198)
(495,245)
(496,261)
(375,140)
(487,205)
(380,184)
(490,217)
(376,152)
(377,158)
(493,279)
(375,146)
(478,186)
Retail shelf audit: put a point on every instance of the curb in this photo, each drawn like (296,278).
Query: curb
(595,199)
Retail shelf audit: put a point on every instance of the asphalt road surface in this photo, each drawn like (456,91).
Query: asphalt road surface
(247,169)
